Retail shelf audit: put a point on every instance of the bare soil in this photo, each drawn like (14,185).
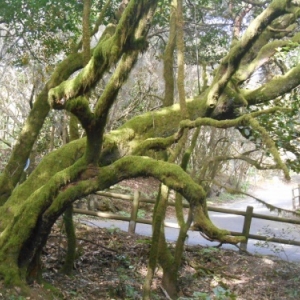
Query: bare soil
(112,265)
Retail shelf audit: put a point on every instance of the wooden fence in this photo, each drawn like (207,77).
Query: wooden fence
(136,199)
(296,197)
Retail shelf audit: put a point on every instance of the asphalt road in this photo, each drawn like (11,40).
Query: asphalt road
(276,192)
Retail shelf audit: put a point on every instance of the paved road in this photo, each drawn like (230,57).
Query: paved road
(275,192)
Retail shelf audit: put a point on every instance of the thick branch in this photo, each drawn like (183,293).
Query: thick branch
(157,144)
(125,141)
(109,50)
(263,56)
(274,88)
(232,60)
(14,168)
(47,203)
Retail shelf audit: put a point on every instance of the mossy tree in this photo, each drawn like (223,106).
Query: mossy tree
(100,160)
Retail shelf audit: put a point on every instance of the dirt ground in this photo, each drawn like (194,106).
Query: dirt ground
(112,264)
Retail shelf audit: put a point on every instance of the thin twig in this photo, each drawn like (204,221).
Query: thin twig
(165,293)
(89,241)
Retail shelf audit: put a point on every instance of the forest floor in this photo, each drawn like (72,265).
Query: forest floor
(112,264)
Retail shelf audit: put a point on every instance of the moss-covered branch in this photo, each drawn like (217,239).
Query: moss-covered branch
(44,205)
(88,77)
(274,88)
(175,178)
(270,144)
(63,96)
(247,119)
(21,223)
(157,144)
(264,54)
(14,168)
(123,69)
(115,83)
(112,45)
(230,63)
(79,106)
(125,141)
(240,121)
(133,166)
(283,24)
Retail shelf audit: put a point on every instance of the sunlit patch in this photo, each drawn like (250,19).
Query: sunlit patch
(268,261)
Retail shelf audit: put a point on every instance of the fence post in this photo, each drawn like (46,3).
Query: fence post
(298,196)
(246,227)
(134,212)
(293,198)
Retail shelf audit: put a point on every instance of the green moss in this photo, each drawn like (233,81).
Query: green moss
(9,272)
(71,239)
(204,224)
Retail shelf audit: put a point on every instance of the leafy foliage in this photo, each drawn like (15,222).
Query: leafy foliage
(41,29)
(283,127)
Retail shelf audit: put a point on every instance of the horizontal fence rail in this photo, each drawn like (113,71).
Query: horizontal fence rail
(248,215)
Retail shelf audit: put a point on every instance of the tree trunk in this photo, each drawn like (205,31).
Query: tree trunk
(170,283)
(68,214)
(71,241)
